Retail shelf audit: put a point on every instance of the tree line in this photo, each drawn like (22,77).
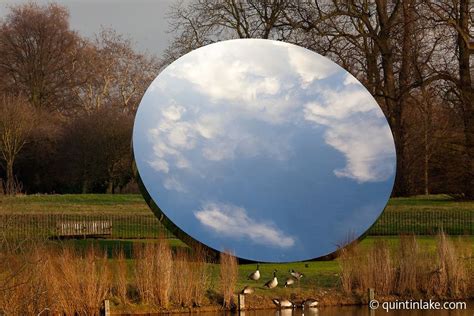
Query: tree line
(67,103)
(78,96)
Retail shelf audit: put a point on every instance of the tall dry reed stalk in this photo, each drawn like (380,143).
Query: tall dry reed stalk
(411,271)
(121,277)
(409,267)
(381,268)
(183,284)
(22,287)
(40,279)
(79,282)
(201,275)
(228,277)
(451,277)
(189,289)
(348,265)
(153,272)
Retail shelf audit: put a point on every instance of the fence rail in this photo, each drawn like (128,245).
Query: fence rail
(425,222)
(136,226)
(133,226)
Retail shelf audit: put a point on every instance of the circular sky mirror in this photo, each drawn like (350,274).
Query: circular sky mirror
(263,148)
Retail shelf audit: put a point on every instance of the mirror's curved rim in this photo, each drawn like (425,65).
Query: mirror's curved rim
(213,254)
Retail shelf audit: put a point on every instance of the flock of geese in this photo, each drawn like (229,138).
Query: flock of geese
(273,283)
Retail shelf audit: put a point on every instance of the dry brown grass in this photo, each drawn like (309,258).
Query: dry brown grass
(120,277)
(22,287)
(183,279)
(452,273)
(78,282)
(38,279)
(153,272)
(408,265)
(348,265)
(201,275)
(381,268)
(228,277)
(409,271)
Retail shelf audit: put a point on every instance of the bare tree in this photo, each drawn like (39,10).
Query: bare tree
(39,54)
(16,125)
(457,16)
(204,22)
(121,75)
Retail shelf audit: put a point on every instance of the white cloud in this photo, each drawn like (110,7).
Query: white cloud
(169,138)
(310,66)
(180,135)
(350,79)
(221,75)
(233,221)
(369,154)
(160,165)
(366,141)
(340,105)
(173,112)
(172,183)
(220,150)
(241,88)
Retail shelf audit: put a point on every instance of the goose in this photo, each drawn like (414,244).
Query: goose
(273,282)
(297,275)
(289,281)
(254,275)
(247,290)
(310,303)
(284,303)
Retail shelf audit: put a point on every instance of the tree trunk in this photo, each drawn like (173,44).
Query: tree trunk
(426,166)
(467,95)
(10,184)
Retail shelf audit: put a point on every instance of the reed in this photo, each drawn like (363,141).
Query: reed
(347,264)
(382,268)
(228,278)
(409,266)
(22,287)
(452,271)
(121,277)
(200,275)
(153,269)
(78,282)
(409,271)
(182,291)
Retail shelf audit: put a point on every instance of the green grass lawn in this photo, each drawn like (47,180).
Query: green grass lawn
(38,215)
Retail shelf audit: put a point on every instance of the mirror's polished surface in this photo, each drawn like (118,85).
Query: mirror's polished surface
(264,148)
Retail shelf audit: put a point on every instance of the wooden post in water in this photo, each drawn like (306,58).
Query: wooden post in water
(241,302)
(371,296)
(371,293)
(106,310)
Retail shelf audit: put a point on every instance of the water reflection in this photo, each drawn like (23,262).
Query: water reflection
(277,159)
(346,311)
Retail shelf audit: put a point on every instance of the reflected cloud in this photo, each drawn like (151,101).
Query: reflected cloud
(233,221)
(172,183)
(356,128)
(309,66)
(272,143)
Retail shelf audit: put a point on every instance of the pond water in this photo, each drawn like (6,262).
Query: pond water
(347,311)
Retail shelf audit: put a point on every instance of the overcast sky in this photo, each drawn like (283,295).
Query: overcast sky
(277,158)
(141,20)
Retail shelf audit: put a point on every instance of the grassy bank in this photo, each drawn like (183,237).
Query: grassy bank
(163,276)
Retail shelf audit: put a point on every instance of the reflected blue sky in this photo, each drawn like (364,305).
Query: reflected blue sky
(264,148)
